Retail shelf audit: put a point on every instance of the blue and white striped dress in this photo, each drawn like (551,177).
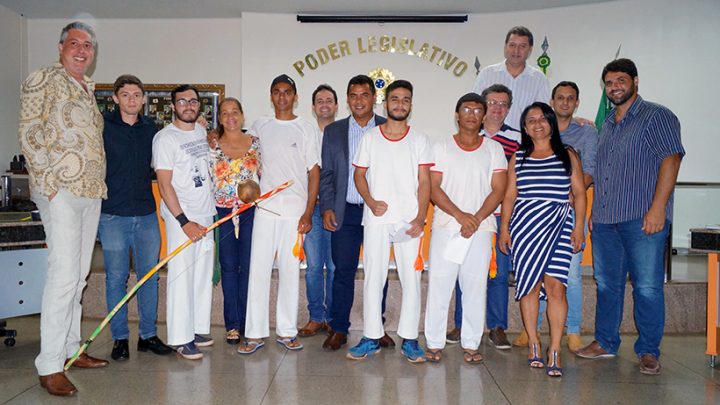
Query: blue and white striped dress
(541,223)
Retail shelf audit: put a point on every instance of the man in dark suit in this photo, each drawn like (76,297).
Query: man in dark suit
(342,206)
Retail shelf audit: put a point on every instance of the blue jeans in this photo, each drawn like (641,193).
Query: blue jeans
(119,236)
(346,243)
(574,295)
(619,249)
(234,257)
(320,270)
(497,293)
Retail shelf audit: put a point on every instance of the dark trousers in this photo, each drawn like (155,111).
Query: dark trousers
(345,246)
(235,267)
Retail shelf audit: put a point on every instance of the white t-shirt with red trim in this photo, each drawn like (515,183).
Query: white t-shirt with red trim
(466,178)
(392,172)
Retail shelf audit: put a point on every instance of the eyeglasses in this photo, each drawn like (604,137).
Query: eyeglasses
(193,102)
(475,111)
(503,104)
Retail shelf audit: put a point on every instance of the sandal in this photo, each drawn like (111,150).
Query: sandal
(250,346)
(232,336)
(472,356)
(536,361)
(433,355)
(290,343)
(552,369)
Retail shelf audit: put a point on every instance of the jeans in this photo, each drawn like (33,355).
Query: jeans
(497,293)
(320,270)
(119,236)
(234,257)
(574,295)
(345,246)
(619,249)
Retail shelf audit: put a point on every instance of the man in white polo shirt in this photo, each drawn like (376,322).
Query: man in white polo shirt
(527,83)
(392,174)
(289,151)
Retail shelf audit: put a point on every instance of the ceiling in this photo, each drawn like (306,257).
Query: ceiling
(233,8)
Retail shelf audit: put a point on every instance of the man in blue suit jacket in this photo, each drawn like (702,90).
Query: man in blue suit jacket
(342,206)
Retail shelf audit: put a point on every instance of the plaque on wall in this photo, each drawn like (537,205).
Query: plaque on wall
(158,101)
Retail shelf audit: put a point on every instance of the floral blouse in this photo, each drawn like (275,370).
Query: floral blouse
(228,173)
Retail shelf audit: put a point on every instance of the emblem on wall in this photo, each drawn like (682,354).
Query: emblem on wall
(543,60)
(382,78)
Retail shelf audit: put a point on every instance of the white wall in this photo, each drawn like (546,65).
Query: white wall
(12,30)
(155,50)
(673,43)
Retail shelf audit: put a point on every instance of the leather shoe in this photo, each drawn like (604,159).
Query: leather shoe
(58,384)
(386,341)
(120,350)
(312,328)
(155,345)
(85,361)
(334,341)
(649,364)
(594,351)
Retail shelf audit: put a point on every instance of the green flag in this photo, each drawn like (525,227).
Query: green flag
(603,110)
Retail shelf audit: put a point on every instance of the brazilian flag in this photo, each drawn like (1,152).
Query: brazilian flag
(603,110)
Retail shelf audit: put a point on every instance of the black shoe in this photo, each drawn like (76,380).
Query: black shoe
(155,345)
(120,350)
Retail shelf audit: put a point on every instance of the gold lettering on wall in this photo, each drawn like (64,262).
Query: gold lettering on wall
(432,53)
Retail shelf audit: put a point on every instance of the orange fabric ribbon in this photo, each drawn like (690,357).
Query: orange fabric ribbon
(298,250)
(419,262)
(493,259)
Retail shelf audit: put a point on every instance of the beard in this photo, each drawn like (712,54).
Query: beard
(398,117)
(188,116)
(625,97)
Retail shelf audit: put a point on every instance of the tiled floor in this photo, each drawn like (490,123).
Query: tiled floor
(311,376)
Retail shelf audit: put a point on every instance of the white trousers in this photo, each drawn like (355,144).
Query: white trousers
(376,256)
(189,282)
(70,224)
(273,235)
(472,275)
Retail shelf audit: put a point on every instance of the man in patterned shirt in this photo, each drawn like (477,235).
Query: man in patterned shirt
(61,137)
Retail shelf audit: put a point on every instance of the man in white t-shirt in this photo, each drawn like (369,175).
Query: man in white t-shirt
(181,163)
(288,149)
(392,174)
(468,183)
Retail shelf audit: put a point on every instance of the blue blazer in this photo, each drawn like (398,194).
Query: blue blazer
(335,167)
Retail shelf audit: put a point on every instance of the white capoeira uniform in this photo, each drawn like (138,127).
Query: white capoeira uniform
(392,176)
(466,179)
(189,280)
(288,151)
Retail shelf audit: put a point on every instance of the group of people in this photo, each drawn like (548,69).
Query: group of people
(508,191)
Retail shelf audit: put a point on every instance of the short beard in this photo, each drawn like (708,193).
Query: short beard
(628,95)
(398,117)
(189,121)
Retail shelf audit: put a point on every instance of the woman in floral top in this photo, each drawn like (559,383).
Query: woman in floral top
(234,159)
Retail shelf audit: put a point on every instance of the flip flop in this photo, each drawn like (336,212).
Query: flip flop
(290,343)
(433,355)
(250,346)
(472,356)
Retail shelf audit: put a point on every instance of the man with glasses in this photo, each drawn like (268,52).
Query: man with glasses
(527,83)
(180,159)
(499,100)
(60,135)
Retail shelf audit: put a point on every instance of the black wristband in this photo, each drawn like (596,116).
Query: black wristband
(182,219)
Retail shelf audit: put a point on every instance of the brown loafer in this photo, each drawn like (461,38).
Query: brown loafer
(386,341)
(58,384)
(312,328)
(594,351)
(334,341)
(85,361)
(649,364)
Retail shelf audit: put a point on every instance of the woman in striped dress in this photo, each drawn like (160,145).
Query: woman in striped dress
(542,225)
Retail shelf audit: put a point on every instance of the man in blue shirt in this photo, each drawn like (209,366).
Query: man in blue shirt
(128,222)
(639,154)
